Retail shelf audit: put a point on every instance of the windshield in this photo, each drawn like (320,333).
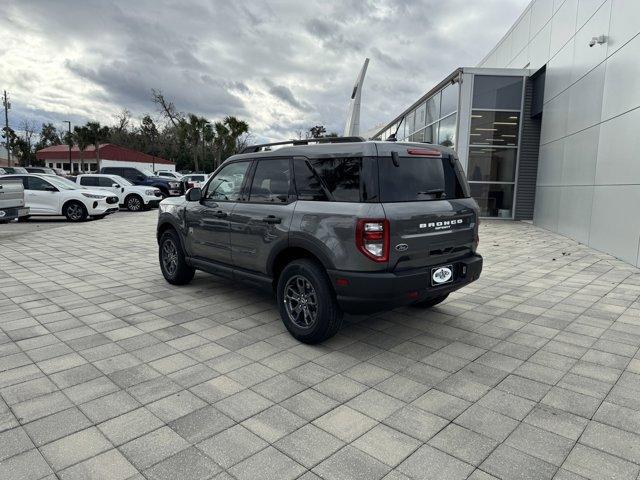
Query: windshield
(146,172)
(63,183)
(16,170)
(418,179)
(121,181)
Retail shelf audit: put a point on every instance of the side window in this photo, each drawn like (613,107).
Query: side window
(37,183)
(271,182)
(105,182)
(89,181)
(338,176)
(227,184)
(131,174)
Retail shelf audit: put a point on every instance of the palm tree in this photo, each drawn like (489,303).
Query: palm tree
(227,134)
(82,138)
(97,133)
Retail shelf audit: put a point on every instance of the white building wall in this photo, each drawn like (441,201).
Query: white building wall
(589,169)
(149,166)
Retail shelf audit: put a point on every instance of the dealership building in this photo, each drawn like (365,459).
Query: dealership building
(547,124)
(108,154)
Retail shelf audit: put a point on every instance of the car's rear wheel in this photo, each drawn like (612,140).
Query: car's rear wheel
(172,260)
(75,212)
(24,218)
(134,203)
(431,302)
(307,303)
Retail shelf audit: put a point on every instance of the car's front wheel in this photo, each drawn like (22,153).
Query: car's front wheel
(173,261)
(134,203)
(75,212)
(307,303)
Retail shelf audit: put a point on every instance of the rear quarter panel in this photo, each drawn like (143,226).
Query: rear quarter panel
(328,229)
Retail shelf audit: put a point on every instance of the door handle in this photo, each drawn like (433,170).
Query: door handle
(220,214)
(272,219)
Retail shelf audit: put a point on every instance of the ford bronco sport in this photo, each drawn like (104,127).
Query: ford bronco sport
(342,224)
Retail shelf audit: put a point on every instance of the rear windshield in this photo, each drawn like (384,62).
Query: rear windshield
(418,179)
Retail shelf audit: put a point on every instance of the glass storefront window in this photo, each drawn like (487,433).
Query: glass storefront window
(417,137)
(411,127)
(494,199)
(447,131)
(497,92)
(449,102)
(420,116)
(433,109)
(494,128)
(492,164)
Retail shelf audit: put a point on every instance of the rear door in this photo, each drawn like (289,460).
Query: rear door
(260,222)
(431,217)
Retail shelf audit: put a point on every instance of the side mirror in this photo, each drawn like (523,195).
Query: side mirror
(50,188)
(115,185)
(193,195)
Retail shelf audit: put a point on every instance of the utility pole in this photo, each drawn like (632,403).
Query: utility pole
(203,146)
(7,106)
(70,164)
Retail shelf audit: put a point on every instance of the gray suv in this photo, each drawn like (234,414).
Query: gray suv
(333,225)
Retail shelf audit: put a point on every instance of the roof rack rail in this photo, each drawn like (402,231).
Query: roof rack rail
(306,141)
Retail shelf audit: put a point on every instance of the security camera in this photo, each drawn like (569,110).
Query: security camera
(593,41)
(598,40)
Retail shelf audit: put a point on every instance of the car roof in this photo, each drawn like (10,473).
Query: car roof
(350,149)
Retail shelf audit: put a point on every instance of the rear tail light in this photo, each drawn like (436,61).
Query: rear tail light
(372,238)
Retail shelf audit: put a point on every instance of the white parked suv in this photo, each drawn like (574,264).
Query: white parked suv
(168,174)
(132,197)
(53,195)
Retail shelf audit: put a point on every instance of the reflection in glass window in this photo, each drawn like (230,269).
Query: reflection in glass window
(449,102)
(447,131)
(494,128)
(430,133)
(421,116)
(497,92)
(417,137)
(492,164)
(494,199)
(339,176)
(227,183)
(270,182)
(410,128)
(433,108)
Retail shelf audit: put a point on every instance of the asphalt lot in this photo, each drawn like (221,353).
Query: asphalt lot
(108,372)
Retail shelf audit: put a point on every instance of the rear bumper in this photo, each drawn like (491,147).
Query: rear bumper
(13,213)
(366,292)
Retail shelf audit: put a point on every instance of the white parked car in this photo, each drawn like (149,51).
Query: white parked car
(132,197)
(53,195)
(168,174)
(196,180)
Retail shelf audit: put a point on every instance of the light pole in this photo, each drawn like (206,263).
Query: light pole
(7,106)
(69,144)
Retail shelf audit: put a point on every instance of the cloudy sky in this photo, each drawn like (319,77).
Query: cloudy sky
(282,65)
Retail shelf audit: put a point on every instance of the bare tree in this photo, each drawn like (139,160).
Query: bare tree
(166,107)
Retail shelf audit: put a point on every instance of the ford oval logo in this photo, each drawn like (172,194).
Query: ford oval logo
(402,247)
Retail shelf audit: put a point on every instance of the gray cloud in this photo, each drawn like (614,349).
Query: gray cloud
(281,67)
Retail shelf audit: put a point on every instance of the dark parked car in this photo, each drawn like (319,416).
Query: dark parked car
(139,176)
(350,225)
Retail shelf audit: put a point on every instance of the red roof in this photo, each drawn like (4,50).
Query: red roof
(108,151)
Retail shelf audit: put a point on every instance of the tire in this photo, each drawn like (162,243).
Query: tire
(75,211)
(176,272)
(134,203)
(431,302)
(320,317)
(24,218)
